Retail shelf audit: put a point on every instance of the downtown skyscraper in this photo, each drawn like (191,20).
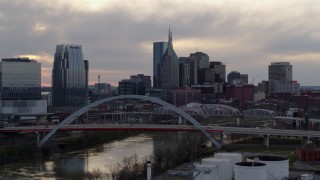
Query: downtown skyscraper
(165,68)
(69,76)
(159,48)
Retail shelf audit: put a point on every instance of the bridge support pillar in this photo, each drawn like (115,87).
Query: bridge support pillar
(266,140)
(149,170)
(297,124)
(274,123)
(221,138)
(180,120)
(305,141)
(239,121)
(38,137)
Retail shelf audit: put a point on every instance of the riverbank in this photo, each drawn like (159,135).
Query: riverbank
(17,147)
(21,147)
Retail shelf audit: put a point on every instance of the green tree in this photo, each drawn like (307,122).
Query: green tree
(292,158)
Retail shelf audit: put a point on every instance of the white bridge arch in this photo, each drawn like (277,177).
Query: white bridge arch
(81,111)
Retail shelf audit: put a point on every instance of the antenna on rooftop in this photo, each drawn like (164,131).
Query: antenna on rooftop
(98,84)
(196,46)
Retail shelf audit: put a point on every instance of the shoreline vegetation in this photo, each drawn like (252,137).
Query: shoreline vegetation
(17,148)
(20,147)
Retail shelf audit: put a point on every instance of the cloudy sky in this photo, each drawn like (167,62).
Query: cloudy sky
(117,35)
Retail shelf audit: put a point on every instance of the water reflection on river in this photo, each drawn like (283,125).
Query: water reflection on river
(71,165)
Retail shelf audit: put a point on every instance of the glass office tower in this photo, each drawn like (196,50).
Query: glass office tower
(159,48)
(68,76)
(169,71)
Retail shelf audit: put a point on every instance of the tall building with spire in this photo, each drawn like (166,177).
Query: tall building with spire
(69,81)
(159,48)
(169,71)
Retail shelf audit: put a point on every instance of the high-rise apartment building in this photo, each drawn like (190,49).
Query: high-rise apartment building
(159,48)
(69,76)
(20,91)
(281,71)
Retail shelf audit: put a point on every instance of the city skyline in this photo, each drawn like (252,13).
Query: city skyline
(246,36)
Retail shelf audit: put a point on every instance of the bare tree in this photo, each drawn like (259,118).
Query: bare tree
(95,174)
(114,171)
(131,165)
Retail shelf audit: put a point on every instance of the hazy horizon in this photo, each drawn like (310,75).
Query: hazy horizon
(117,36)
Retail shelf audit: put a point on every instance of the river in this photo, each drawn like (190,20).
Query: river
(71,165)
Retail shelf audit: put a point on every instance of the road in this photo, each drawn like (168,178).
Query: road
(161,127)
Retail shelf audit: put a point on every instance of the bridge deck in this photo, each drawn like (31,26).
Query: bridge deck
(157,127)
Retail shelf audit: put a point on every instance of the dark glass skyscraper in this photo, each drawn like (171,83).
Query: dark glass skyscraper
(69,76)
(159,48)
(169,71)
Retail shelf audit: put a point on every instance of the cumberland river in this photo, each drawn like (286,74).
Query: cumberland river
(74,164)
(69,165)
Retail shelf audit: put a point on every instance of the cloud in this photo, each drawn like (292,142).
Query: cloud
(117,36)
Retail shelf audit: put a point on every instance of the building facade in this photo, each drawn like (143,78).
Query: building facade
(20,79)
(69,81)
(183,96)
(244,78)
(184,72)
(101,88)
(280,71)
(220,71)
(86,67)
(198,61)
(169,71)
(159,48)
(276,86)
(129,86)
(202,59)
(141,77)
(233,75)
(20,91)
(308,153)
(240,92)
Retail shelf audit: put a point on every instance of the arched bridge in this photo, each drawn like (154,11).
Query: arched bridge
(83,110)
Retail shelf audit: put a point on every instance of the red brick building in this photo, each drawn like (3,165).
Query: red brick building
(309,153)
(183,96)
(240,92)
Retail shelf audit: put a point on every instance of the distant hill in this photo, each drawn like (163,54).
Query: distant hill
(311,88)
